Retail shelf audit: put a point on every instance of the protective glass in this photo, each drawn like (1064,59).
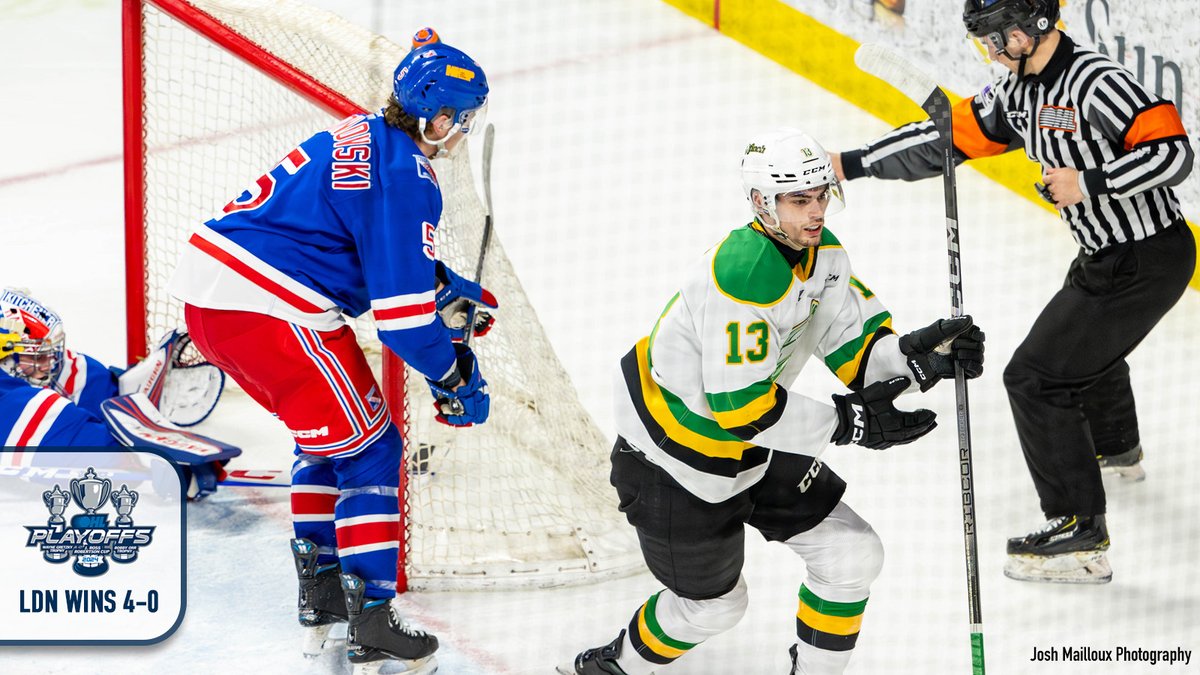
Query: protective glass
(472,121)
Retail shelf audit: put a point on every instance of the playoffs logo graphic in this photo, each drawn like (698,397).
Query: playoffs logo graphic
(89,537)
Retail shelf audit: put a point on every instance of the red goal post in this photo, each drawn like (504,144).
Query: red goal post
(217,90)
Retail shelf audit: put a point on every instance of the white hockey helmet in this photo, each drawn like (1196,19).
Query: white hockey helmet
(30,333)
(787,160)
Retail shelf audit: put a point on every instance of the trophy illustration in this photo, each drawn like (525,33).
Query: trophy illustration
(124,501)
(90,492)
(56,500)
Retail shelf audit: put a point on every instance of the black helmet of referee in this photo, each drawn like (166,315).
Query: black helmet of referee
(987,18)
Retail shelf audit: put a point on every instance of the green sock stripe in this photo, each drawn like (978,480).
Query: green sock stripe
(657,631)
(830,608)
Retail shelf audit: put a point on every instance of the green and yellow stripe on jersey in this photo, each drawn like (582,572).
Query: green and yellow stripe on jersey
(650,640)
(846,361)
(826,624)
(696,440)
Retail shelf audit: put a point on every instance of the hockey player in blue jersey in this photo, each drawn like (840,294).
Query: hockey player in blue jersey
(54,397)
(345,224)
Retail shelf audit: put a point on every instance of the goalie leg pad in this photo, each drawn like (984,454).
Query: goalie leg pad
(135,422)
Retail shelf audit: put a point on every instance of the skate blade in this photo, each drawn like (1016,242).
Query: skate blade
(1133,473)
(1087,567)
(424,666)
(318,641)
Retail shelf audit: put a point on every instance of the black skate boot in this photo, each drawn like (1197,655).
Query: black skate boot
(322,603)
(1068,549)
(1127,465)
(378,636)
(599,661)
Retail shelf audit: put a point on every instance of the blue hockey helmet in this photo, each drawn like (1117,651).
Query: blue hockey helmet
(436,78)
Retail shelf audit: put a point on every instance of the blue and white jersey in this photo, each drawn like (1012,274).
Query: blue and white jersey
(33,416)
(86,382)
(343,224)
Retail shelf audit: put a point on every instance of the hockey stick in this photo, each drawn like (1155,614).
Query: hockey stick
(489,138)
(923,90)
(454,406)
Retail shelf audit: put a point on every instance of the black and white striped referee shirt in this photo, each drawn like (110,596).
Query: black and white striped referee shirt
(1083,111)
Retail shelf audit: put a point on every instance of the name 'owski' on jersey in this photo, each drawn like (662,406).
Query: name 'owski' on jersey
(343,224)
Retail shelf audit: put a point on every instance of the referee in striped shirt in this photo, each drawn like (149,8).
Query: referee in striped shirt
(1110,153)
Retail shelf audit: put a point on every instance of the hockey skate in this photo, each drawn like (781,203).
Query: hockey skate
(322,605)
(599,661)
(378,637)
(1068,550)
(1127,465)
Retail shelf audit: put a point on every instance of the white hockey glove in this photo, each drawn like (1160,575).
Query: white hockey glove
(185,393)
(135,422)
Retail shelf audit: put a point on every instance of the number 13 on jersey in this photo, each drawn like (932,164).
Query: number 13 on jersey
(757,341)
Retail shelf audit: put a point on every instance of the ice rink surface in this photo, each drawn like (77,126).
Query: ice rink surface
(619,128)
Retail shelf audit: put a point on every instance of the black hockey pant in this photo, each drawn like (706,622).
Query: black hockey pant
(1068,382)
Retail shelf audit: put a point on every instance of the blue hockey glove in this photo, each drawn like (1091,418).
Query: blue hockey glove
(462,302)
(467,405)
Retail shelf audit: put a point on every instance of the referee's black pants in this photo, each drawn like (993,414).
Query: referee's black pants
(1068,382)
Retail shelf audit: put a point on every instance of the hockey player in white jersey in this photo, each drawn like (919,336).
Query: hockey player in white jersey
(710,439)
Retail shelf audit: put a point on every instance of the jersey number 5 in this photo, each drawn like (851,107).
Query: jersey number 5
(257,194)
(761,342)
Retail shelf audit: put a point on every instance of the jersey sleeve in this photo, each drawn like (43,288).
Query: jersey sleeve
(1148,129)
(911,152)
(98,384)
(396,248)
(32,417)
(861,327)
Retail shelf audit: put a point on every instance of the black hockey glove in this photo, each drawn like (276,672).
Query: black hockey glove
(868,418)
(933,350)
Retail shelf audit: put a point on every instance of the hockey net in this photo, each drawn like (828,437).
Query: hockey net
(217,91)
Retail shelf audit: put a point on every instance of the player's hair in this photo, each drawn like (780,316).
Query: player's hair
(395,116)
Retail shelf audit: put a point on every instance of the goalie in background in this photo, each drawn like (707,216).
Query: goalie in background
(344,224)
(52,396)
(1110,153)
(711,440)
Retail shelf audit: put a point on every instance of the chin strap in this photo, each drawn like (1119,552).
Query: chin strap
(440,145)
(1037,41)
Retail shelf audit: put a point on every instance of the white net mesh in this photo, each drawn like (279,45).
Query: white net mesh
(520,501)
